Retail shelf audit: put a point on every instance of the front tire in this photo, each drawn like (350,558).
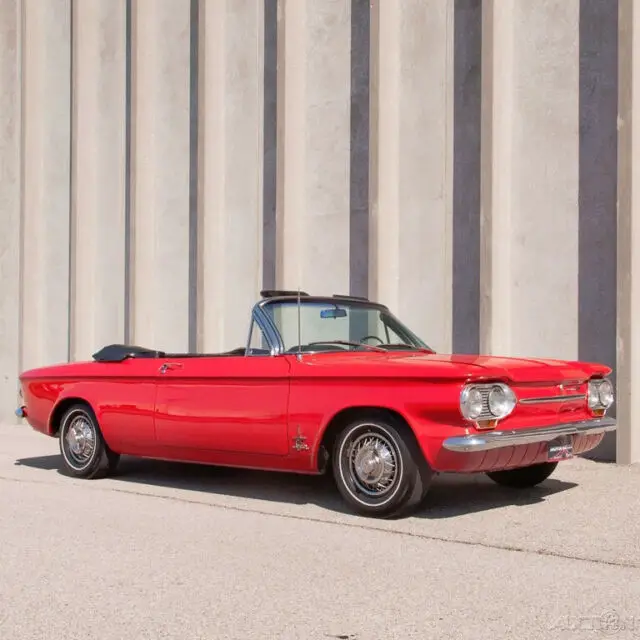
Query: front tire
(523,477)
(84,452)
(379,471)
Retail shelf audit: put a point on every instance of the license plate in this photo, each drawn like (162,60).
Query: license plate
(560,449)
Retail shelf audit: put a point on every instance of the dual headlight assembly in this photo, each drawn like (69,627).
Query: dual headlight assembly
(487,401)
(600,395)
(495,401)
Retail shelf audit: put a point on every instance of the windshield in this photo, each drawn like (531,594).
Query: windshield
(339,325)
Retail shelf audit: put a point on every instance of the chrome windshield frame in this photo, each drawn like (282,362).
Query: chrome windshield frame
(270,331)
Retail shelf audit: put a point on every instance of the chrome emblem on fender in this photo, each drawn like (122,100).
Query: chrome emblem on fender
(299,443)
(567,387)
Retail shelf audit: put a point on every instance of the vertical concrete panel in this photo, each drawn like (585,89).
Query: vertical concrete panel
(628,248)
(530,202)
(98,175)
(496,184)
(598,189)
(194,174)
(466,175)
(128,184)
(314,127)
(270,141)
(546,172)
(46,118)
(231,168)
(359,147)
(160,173)
(10,41)
(411,163)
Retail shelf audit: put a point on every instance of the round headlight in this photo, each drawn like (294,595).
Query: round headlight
(605,393)
(501,401)
(471,403)
(593,396)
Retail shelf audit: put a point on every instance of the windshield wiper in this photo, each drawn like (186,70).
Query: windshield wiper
(351,344)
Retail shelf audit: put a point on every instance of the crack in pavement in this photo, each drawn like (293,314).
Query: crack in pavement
(353,525)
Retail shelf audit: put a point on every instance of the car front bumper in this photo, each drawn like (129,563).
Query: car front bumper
(515,437)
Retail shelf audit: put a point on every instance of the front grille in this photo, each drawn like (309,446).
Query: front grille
(486,414)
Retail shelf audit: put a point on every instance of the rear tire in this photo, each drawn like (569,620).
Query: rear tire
(380,471)
(85,454)
(523,477)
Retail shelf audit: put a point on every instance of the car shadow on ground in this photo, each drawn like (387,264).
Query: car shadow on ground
(450,495)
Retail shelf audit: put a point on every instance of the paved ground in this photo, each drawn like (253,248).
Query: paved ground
(187,552)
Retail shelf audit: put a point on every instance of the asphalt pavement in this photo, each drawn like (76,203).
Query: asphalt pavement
(189,552)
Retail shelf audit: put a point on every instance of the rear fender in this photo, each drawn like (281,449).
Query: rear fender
(74,393)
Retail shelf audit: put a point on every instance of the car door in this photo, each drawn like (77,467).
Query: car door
(223,403)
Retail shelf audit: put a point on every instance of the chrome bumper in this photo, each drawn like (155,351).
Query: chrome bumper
(516,437)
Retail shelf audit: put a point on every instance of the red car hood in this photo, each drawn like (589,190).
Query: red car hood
(530,369)
(517,370)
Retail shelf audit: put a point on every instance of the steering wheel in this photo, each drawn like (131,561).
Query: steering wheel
(370,337)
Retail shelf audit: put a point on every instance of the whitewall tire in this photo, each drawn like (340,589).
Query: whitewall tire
(84,451)
(379,468)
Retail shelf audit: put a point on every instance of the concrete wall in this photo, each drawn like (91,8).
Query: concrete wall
(162,160)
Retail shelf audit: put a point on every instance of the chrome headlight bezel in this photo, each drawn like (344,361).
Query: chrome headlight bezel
(471,402)
(481,401)
(501,393)
(600,394)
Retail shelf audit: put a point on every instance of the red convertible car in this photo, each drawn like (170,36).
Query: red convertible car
(325,382)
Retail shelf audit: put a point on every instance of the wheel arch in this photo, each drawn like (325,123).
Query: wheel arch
(61,407)
(346,415)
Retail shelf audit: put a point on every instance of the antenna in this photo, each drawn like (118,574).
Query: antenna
(299,329)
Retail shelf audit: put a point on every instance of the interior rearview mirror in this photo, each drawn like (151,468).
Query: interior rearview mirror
(333,313)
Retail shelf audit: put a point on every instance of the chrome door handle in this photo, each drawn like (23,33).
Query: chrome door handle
(169,365)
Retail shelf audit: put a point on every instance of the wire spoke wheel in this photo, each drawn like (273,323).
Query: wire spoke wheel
(373,468)
(85,453)
(80,440)
(379,467)
(373,464)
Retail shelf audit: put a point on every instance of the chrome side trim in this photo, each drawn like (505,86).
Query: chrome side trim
(567,398)
(515,437)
